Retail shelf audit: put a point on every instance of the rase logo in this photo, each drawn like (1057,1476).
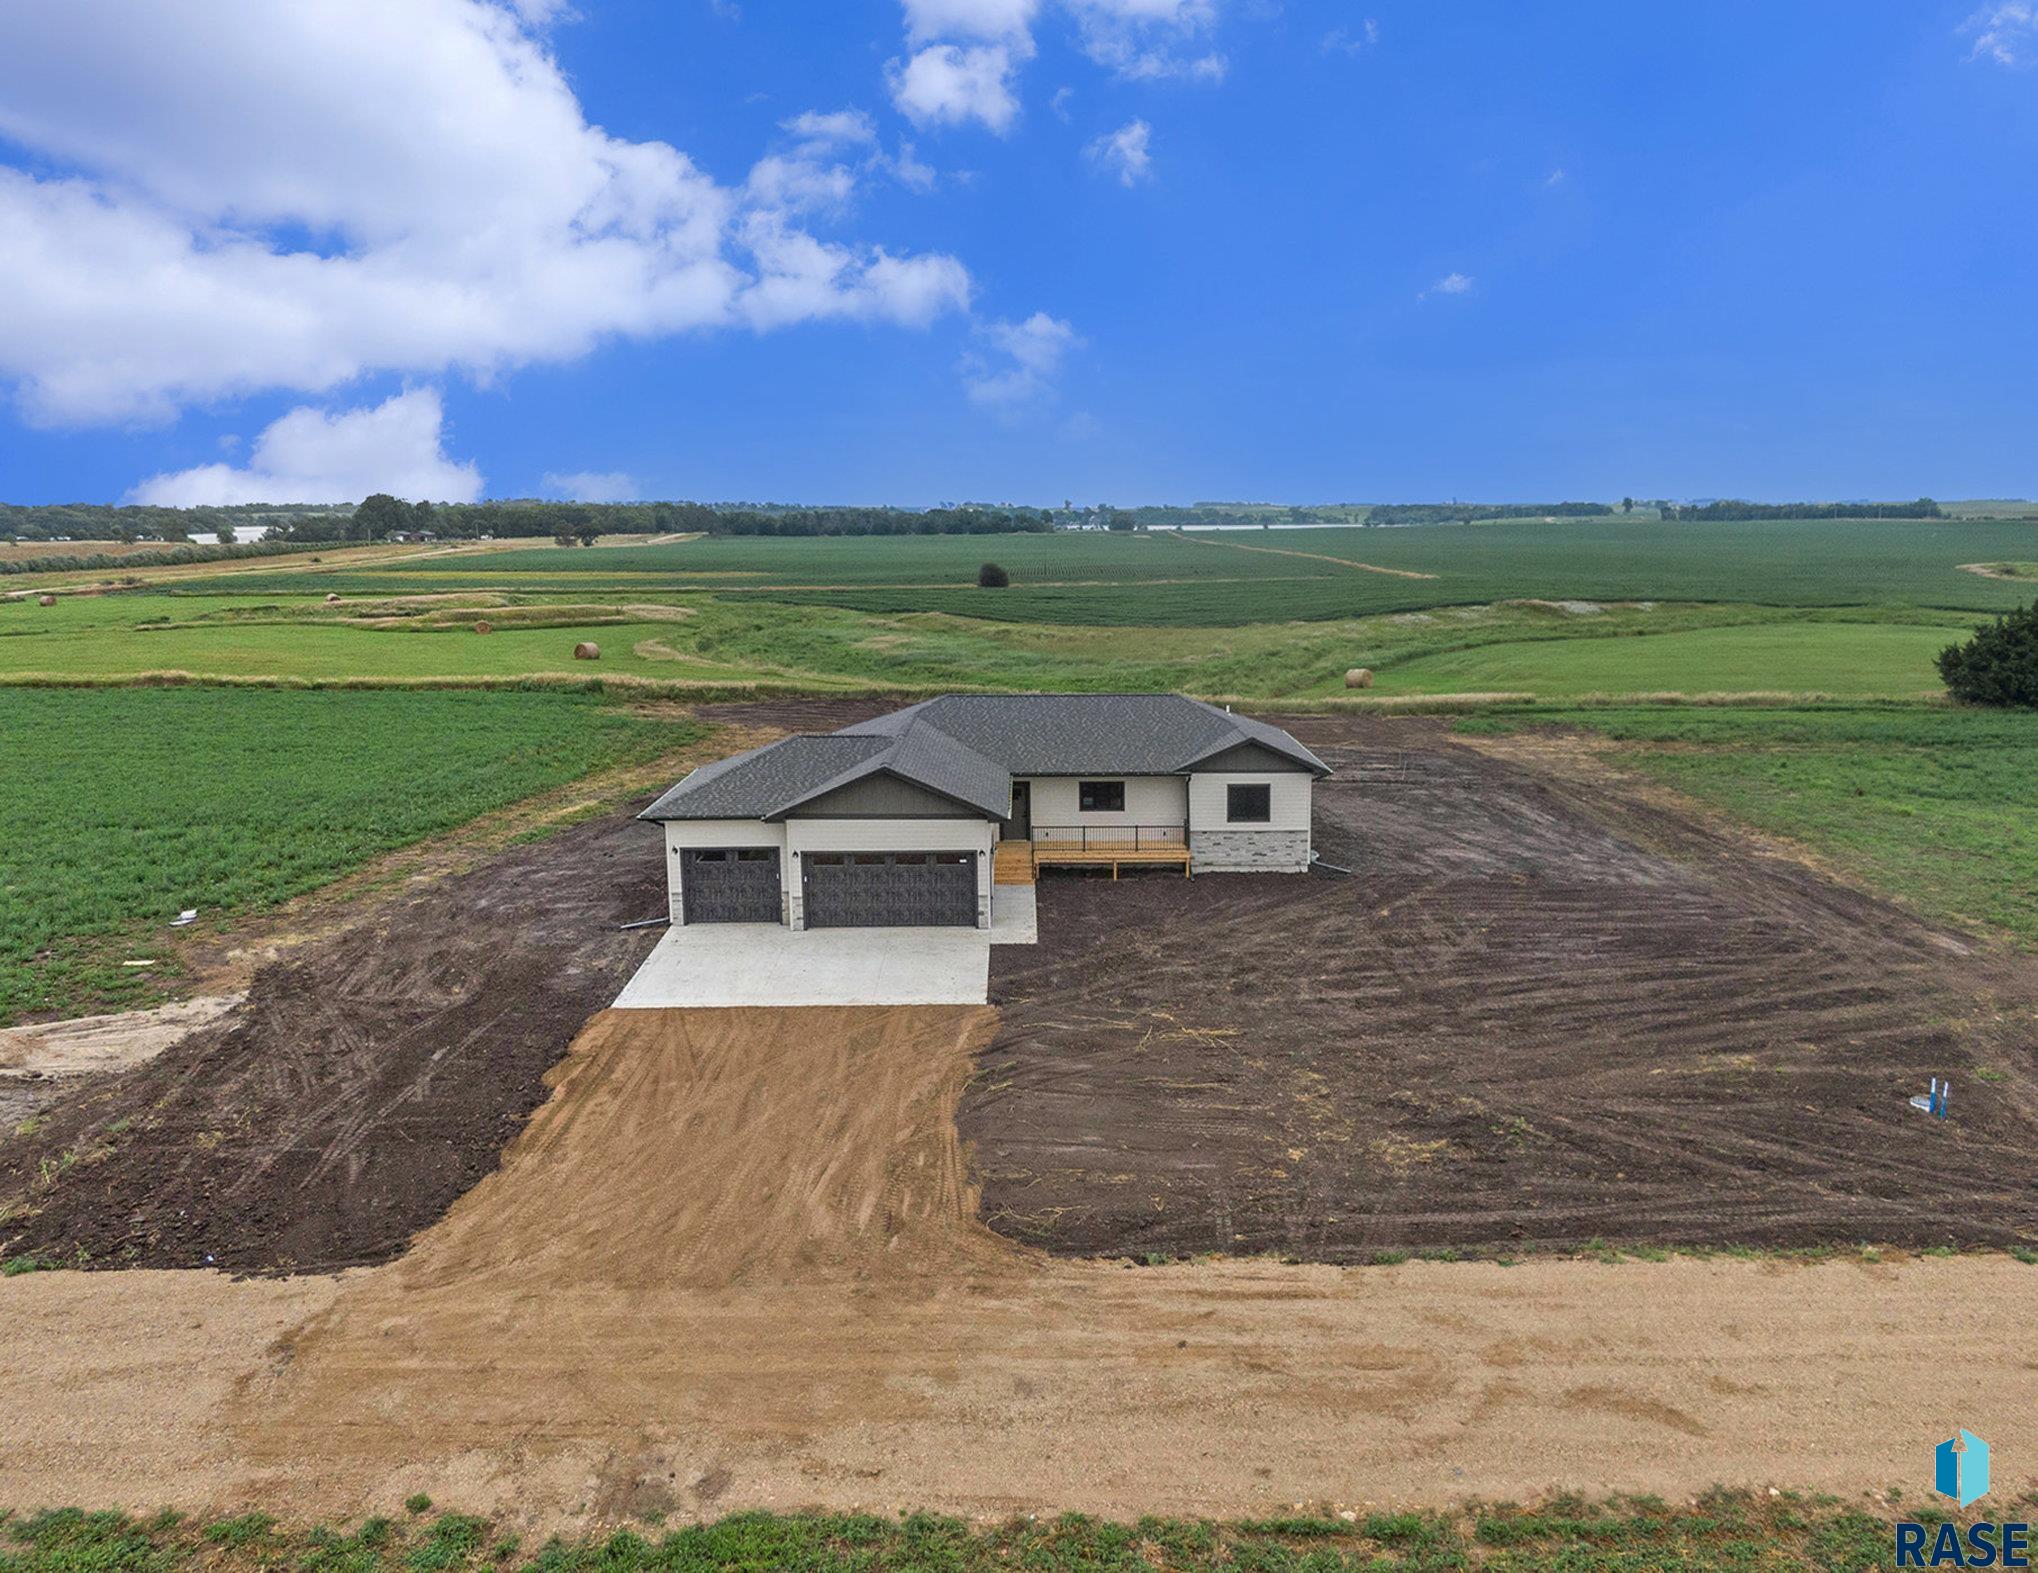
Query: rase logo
(1960,1471)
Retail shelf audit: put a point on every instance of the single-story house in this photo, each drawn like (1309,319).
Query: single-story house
(915,818)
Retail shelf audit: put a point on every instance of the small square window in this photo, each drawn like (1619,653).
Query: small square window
(756,855)
(1249,805)
(711,857)
(1100,797)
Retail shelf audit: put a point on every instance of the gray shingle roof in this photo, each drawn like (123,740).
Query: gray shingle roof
(967,747)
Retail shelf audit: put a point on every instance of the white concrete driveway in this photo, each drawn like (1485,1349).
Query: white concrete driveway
(728,964)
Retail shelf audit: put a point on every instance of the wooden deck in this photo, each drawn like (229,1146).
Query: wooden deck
(1012,863)
(1094,854)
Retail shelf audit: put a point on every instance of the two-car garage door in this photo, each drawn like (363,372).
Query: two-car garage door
(890,889)
(841,889)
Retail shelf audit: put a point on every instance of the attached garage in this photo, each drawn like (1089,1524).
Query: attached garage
(890,889)
(731,885)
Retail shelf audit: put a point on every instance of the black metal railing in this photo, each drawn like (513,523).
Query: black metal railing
(1109,838)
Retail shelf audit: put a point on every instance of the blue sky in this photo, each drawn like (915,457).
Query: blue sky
(1109,250)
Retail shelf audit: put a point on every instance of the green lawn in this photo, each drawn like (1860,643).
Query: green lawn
(1843,660)
(1743,1531)
(121,807)
(1936,806)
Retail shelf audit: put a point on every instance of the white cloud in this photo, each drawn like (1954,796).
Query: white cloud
(804,279)
(1124,152)
(927,20)
(1147,40)
(1351,40)
(1024,360)
(966,53)
(314,455)
(1555,178)
(841,127)
(2006,33)
(949,84)
(1063,96)
(169,255)
(591,486)
(1449,284)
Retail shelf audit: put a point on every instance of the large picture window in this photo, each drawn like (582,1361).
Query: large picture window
(1100,797)
(1249,805)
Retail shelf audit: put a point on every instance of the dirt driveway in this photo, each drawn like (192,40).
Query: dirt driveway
(1546,1009)
(734,1262)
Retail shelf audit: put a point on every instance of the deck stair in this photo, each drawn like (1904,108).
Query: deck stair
(1012,863)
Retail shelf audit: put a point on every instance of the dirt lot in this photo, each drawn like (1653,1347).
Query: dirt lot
(1545,1010)
(366,1082)
(734,1262)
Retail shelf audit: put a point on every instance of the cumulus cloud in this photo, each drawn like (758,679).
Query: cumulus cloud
(1124,152)
(1020,362)
(313,455)
(591,486)
(223,201)
(950,84)
(2006,33)
(967,53)
(1449,284)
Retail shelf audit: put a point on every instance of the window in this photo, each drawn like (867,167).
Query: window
(756,855)
(827,859)
(711,857)
(1249,805)
(1100,797)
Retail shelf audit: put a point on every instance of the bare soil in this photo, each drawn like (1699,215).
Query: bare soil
(369,1079)
(1546,1009)
(734,1262)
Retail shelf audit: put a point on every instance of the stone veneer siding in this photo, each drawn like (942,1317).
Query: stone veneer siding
(1248,851)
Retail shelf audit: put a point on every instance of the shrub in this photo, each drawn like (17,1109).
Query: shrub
(992,577)
(1999,665)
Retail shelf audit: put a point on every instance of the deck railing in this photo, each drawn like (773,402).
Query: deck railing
(1109,838)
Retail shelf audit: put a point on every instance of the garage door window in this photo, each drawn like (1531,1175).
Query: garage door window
(756,855)
(1249,805)
(711,857)
(1100,797)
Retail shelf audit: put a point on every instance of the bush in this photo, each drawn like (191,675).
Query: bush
(992,577)
(1999,665)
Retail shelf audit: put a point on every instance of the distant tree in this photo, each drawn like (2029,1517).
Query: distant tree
(992,577)
(378,515)
(423,516)
(587,532)
(1627,505)
(562,538)
(1999,665)
(224,534)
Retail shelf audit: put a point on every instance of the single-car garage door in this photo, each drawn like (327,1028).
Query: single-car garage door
(729,885)
(890,889)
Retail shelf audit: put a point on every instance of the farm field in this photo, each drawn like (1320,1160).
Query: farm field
(1534,647)
(120,808)
(1939,808)
(1219,579)
(1845,660)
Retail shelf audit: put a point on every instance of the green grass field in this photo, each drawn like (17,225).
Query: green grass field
(1743,1531)
(1539,648)
(1937,807)
(119,808)
(1221,578)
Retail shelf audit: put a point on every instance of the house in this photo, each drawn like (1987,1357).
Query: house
(918,817)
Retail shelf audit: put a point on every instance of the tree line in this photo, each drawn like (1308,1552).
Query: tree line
(1730,508)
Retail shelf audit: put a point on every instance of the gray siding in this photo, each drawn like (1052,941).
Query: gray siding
(882,797)
(1250,757)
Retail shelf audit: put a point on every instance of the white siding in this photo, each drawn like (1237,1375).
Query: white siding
(888,835)
(1288,801)
(1149,800)
(683,833)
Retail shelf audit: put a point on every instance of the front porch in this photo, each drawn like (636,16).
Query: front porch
(1019,861)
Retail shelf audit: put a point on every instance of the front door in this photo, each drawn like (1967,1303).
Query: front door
(1020,826)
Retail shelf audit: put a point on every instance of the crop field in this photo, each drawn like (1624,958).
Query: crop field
(1546,649)
(1937,807)
(1226,578)
(120,808)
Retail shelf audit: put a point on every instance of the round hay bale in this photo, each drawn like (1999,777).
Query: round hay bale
(45,600)
(1359,677)
(484,627)
(333,599)
(585,651)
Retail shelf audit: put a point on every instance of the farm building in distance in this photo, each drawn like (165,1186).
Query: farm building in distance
(914,818)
